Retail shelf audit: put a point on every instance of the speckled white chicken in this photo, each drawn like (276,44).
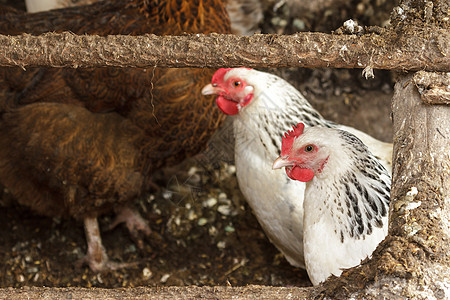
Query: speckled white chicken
(346,200)
(264,106)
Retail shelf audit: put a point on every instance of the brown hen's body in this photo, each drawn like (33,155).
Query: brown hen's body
(80,142)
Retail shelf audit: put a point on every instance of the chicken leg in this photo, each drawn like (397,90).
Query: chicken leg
(96,256)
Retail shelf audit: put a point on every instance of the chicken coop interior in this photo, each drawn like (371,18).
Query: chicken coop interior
(201,230)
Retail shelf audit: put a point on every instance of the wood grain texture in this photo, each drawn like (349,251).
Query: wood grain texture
(421,50)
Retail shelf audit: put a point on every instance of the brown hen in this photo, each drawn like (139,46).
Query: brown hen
(81,142)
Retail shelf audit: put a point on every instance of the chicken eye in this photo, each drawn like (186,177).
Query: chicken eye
(237,83)
(309,148)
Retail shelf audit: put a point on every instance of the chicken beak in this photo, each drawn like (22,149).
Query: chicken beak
(211,90)
(282,161)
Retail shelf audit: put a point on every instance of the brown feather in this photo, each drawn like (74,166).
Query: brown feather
(164,106)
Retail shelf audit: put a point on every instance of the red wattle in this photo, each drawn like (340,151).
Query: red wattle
(300,174)
(226,106)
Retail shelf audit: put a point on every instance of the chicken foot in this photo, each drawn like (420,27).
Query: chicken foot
(96,256)
(134,222)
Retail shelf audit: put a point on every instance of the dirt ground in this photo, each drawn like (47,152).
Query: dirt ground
(208,233)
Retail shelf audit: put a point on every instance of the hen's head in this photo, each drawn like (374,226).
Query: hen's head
(304,152)
(232,89)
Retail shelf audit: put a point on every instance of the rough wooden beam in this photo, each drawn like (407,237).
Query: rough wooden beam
(421,49)
(189,292)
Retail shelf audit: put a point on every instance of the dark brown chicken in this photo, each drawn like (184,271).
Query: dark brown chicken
(245,15)
(80,142)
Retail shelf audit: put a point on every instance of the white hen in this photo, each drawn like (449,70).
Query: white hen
(346,200)
(264,106)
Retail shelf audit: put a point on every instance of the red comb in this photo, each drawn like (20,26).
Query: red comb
(288,138)
(220,74)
